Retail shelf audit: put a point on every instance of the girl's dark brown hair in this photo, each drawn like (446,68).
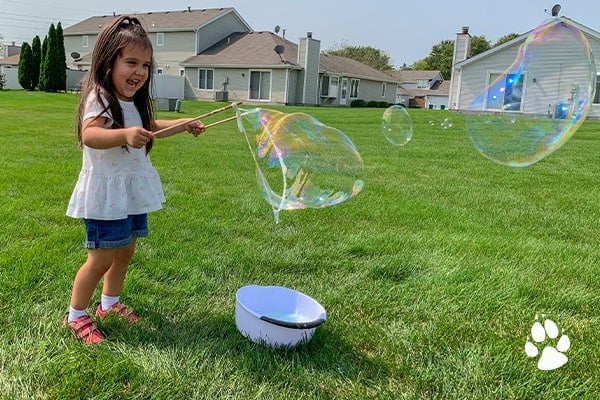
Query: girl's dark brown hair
(114,36)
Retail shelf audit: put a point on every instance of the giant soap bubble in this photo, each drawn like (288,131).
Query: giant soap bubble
(531,109)
(301,162)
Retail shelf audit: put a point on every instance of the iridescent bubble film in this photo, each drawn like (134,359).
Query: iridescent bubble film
(532,108)
(301,162)
(396,125)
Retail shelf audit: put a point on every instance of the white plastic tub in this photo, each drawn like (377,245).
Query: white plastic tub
(277,316)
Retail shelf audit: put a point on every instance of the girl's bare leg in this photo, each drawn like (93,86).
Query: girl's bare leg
(115,276)
(87,278)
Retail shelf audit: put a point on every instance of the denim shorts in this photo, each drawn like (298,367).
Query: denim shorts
(100,234)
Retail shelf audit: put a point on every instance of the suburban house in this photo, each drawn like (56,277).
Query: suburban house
(213,54)
(538,88)
(421,89)
(9,65)
(9,62)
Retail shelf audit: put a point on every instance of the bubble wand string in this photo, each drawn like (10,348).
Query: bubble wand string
(181,126)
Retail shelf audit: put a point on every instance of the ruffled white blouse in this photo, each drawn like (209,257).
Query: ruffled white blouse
(116,182)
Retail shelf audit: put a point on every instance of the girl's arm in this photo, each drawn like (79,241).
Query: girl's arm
(96,136)
(193,126)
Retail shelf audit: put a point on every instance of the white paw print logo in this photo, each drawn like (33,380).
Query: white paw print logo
(546,335)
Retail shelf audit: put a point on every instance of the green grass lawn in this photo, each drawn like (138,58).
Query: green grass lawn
(431,277)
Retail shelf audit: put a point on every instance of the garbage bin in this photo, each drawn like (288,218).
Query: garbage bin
(431,106)
(442,107)
(172,103)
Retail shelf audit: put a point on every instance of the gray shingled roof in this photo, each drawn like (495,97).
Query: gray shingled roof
(403,76)
(244,49)
(348,66)
(257,49)
(163,21)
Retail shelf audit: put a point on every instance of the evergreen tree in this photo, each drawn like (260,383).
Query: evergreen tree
(26,67)
(52,62)
(61,70)
(36,50)
(43,54)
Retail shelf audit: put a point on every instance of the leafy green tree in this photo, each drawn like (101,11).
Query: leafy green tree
(36,50)
(439,59)
(479,44)
(25,72)
(506,38)
(367,55)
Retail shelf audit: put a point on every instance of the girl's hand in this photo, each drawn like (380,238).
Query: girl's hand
(195,127)
(137,137)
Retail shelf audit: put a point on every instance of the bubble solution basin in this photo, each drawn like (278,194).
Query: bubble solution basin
(277,316)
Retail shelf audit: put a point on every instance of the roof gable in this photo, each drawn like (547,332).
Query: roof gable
(243,49)
(162,21)
(518,41)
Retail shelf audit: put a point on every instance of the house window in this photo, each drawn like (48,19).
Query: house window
(260,85)
(383,89)
(597,95)
(329,86)
(504,92)
(205,79)
(354,88)
(159,71)
(181,72)
(344,88)
(160,39)
(422,84)
(85,41)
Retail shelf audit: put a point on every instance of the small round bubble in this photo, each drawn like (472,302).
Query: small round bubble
(446,123)
(396,125)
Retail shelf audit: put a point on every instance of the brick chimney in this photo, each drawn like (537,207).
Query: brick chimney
(309,55)
(462,49)
(462,45)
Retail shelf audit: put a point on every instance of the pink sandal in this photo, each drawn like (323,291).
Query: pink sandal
(119,308)
(84,328)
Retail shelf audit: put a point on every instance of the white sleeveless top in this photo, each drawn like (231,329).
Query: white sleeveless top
(114,183)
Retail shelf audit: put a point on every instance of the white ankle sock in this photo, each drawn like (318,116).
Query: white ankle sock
(74,314)
(107,301)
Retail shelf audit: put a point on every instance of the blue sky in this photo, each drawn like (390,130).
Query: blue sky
(405,30)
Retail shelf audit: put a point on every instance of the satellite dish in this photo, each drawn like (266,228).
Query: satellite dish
(279,49)
(75,55)
(277,28)
(555,10)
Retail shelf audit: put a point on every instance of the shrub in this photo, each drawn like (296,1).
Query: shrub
(372,104)
(358,103)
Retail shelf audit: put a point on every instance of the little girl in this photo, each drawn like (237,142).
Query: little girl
(117,185)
